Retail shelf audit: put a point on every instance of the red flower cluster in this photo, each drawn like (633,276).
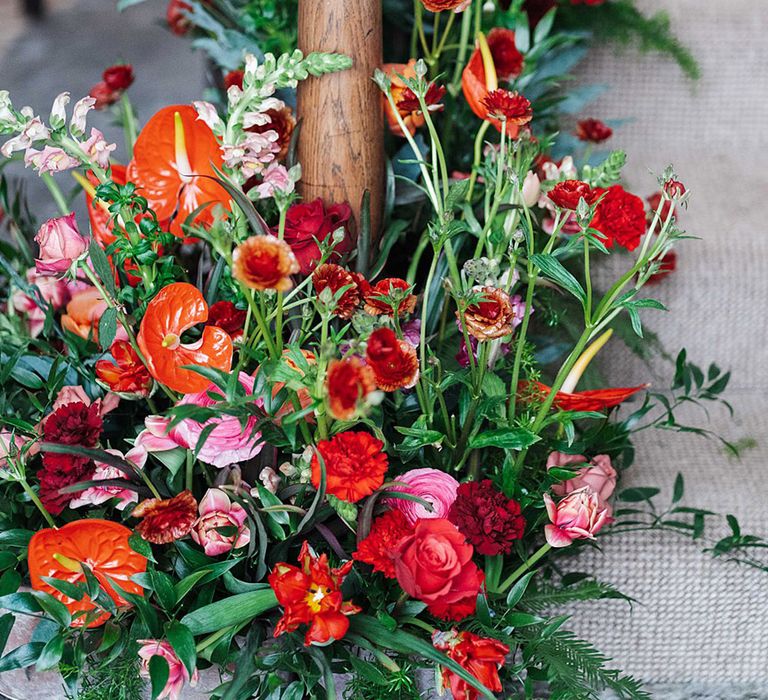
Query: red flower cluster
(308,222)
(348,382)
(567,194)
(481,656)
(386,534)
(73,423)
(335,278)
(166,520)
(354,465)
(311,595)
(444,5)
(593,130)
(375,303)
(127,374)
(225,315)
(115,81)
(619,217)
(176,16)
(393,361)
(488,519)
(434,564)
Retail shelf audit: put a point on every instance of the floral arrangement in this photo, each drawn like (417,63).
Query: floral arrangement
(243,431)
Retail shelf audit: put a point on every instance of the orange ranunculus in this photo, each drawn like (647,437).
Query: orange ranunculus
(175,309)
(592,400)
(127,375)
(102,545)
(495,58)
(173,163)
(83,314)
(264,262)
(310,594)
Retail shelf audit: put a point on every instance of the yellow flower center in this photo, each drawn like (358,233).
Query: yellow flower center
(315,596)
(171,341)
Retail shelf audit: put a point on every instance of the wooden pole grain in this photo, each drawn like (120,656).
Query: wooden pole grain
(341,146)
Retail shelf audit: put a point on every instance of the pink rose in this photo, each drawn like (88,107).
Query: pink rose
(60,245)
(178,674)
(217,511)
(228,443)
(96,495)
(600,476)
(431,485)
(579,516)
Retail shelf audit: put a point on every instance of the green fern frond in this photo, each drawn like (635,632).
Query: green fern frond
(549,596)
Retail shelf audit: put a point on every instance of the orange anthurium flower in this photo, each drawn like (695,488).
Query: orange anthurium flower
(175,309)
(101,545)
(495,58)
(173,161)
(593,400)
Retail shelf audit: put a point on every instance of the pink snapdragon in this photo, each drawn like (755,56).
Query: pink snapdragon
(51,159)
(217,511)
(177,672)
(98,148)
(61,244)
(578,516)
(252,153)
(276,181)
(599,474)
(96,495)
(33,131)
(431,485)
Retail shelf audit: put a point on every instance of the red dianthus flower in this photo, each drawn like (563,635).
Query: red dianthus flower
(386,533)
(619,217)
(393,361)
(225,315)
(166,520)
(567,194)
(593,130)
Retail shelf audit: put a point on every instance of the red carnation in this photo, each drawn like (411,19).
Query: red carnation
(510,107)
(66,470)
(308,222)
(119,77)
(386,534)
(334,278)
(488,519)
(593,130)
(225,315)
(409,103)
(166,520)
(375,303)
(567,194)
(354,465)
(349,381)
(74,423)
(619,217)
(393,361)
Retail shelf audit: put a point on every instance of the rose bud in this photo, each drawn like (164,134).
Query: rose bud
(217,511)
(119,77)
(104,95)
(61,244)
(579,516)
(599,474)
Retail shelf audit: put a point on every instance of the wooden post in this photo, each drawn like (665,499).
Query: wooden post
(341,146)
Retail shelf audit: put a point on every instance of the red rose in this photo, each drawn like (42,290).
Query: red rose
(119,77)
(593,130)
(308,221)
(393,361)
(225,315)
(488,519)
(481,656)
(620,217)
(567,194)
(435,565)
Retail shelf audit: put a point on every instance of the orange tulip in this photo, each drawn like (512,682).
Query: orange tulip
(102,545)
(495,58)
(84,312)
(175,309)
(412,120)
(173,160)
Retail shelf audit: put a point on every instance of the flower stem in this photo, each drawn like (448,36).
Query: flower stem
(56,193)
(478,154)
(520,570)
(129,125)
(36,500)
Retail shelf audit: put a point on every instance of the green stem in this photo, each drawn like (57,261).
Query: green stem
(466,24)
(418,623)
(129,125)
(520,570)
(520,344)
(189,470)
(56,193)
(34,498)
(476,161)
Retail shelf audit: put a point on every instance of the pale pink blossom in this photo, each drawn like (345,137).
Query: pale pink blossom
(217,511)
(10,446)
(96,495)
(228,443)
(599,474)
(98,148)
(261,118)
(61,244)
(34,130)
(72,393)
(51,159)
(178,674)
(277,180)
(531,189)
(80,114)
(207,113)
(270,478)
(431,485)
(252,153)
(59,110)
(578,516)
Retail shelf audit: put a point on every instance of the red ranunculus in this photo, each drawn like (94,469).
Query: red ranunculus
(127,375)
(386,533)
(310,221)
(393,361)
(435,565)
(489,520)
(354,465)
(481,656)
(348,382)
(619,217)
(119,77)
(375,302)
(593,130)
(444,5)
(335,277)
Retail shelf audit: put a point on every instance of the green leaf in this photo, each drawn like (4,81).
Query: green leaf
(15,538)
(637,494)
(139,545)
(553,269)
(51,653)
(101,267)
(6,625)
(183,643)
(55,609)
(187,584)
(107,328)
(21,657)
(162,584)
(505,438)
(158,674)
(677,492)
(519,619)
(229,611)
(24,603)
(517,591)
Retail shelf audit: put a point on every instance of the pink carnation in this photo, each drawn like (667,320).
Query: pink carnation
(217,511)
(431,485)
(96,495)
(579,516)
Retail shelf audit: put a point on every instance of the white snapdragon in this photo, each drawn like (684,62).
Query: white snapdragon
(59,111)
(79,115)
(207,113)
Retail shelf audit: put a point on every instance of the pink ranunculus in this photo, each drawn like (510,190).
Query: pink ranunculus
(228,443)
(599,475)
(96,495)
(579,516)
(431,485)
(217,511)
(178,674)
(60,244)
